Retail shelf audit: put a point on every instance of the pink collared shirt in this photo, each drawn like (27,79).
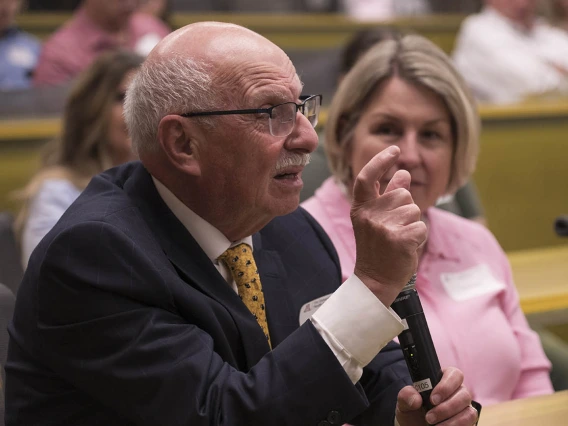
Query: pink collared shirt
(80,41)
(469,299)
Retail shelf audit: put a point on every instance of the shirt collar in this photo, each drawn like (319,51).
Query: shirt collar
(10,31)
(209,238)
(488,10)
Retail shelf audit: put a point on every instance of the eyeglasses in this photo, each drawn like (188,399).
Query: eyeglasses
(281,117)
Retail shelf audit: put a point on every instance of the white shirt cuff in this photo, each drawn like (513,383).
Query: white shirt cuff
(356,325)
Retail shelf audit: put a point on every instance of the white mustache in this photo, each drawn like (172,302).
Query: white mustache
(292,159)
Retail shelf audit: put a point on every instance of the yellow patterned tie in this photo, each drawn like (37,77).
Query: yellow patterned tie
(240,261)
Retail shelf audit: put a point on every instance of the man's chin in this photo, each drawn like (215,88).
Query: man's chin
(284,206)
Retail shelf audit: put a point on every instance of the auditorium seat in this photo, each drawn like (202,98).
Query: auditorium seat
(10,267)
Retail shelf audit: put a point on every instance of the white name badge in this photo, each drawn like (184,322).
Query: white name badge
(21,57)
(471,283)
(309,308)
(146,43)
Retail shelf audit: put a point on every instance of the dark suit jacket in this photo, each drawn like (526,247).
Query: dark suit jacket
(121,319)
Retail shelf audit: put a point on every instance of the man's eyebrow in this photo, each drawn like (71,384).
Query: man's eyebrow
(271,95)
(279,95)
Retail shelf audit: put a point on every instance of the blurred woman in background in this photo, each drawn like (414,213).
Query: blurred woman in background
(406,92)
(94,138)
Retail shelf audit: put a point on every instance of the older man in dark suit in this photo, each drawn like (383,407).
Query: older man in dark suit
(145,305)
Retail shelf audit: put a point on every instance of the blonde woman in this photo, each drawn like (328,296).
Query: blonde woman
(407,93)
(94,138)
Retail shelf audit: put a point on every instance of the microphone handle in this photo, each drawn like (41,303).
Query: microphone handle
(416,343)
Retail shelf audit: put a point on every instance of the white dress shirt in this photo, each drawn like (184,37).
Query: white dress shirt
(353,322)
(504,62)
(381,10)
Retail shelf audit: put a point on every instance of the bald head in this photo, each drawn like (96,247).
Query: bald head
(217,43)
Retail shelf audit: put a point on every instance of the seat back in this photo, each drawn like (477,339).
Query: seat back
(11,271)
(7,302)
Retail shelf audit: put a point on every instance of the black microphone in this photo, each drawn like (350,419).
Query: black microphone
(416,342)
(417,345)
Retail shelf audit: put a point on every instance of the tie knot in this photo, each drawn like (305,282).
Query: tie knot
(237,255)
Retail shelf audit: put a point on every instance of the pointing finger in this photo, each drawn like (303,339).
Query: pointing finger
(366,183)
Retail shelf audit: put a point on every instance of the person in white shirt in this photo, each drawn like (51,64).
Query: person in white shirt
(507,53)
(380,10)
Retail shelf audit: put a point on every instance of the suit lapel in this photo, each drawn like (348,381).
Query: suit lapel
(191,262)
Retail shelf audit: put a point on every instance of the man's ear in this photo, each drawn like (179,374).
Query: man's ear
(179,141)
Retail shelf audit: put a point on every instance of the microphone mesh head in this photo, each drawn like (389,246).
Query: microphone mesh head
(410,284)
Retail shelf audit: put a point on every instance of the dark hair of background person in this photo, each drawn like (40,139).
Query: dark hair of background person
(82,149)
(361,42)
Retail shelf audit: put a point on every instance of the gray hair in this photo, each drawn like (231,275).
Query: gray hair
(172,86)
(417,60)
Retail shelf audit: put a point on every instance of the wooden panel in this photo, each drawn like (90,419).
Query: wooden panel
(29,129)
(17,165)
(547,410)
(541,277)
(290,31)
(522,178)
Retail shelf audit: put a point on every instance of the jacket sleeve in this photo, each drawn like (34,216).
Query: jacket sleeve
(382,380)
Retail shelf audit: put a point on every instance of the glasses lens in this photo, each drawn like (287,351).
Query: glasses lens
(311,110)
(283,119)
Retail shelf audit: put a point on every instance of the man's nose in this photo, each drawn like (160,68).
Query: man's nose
(303,137)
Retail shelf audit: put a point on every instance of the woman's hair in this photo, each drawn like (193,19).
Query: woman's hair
(418,61)
(82,150)
(83,147)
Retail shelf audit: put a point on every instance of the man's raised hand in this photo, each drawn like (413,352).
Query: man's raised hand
(388,229)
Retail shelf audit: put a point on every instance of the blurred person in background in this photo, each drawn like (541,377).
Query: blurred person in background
(97,26)
(407,93)
(380,10)
(94,138)
(19,51)
(507,53)
(158,8)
